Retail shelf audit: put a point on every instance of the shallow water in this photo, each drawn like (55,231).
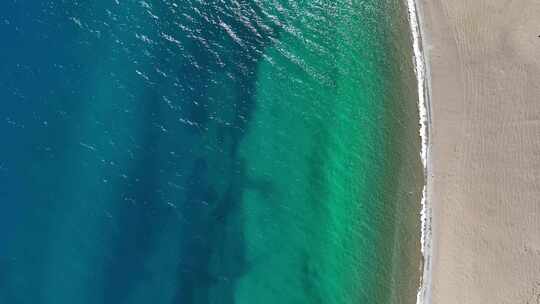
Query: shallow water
(208,152)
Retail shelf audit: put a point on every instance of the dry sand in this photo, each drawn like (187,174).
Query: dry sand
(484,184)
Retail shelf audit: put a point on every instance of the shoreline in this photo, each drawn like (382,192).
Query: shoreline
(424,109)
(480,218)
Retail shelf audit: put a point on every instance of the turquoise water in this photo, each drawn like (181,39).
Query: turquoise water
(208,152)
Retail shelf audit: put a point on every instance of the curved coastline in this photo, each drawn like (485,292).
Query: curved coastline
(424,108)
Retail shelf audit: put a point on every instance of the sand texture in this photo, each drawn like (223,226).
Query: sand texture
(484,58)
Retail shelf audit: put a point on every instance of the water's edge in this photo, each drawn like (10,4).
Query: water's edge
(424,94)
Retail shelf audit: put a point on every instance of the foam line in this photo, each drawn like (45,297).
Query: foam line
(421,69)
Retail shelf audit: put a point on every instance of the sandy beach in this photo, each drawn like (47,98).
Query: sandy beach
(484,168)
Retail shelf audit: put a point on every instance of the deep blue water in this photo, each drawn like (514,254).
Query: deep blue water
(104,113)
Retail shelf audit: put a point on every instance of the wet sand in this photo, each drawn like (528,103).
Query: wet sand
(484,172)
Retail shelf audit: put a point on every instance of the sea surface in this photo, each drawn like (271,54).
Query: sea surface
(208,151)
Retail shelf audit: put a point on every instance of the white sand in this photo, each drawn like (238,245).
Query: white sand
(484,183)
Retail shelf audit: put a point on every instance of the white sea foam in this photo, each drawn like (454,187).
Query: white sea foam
(424,291)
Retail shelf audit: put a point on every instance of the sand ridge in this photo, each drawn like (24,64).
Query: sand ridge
(484,59)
